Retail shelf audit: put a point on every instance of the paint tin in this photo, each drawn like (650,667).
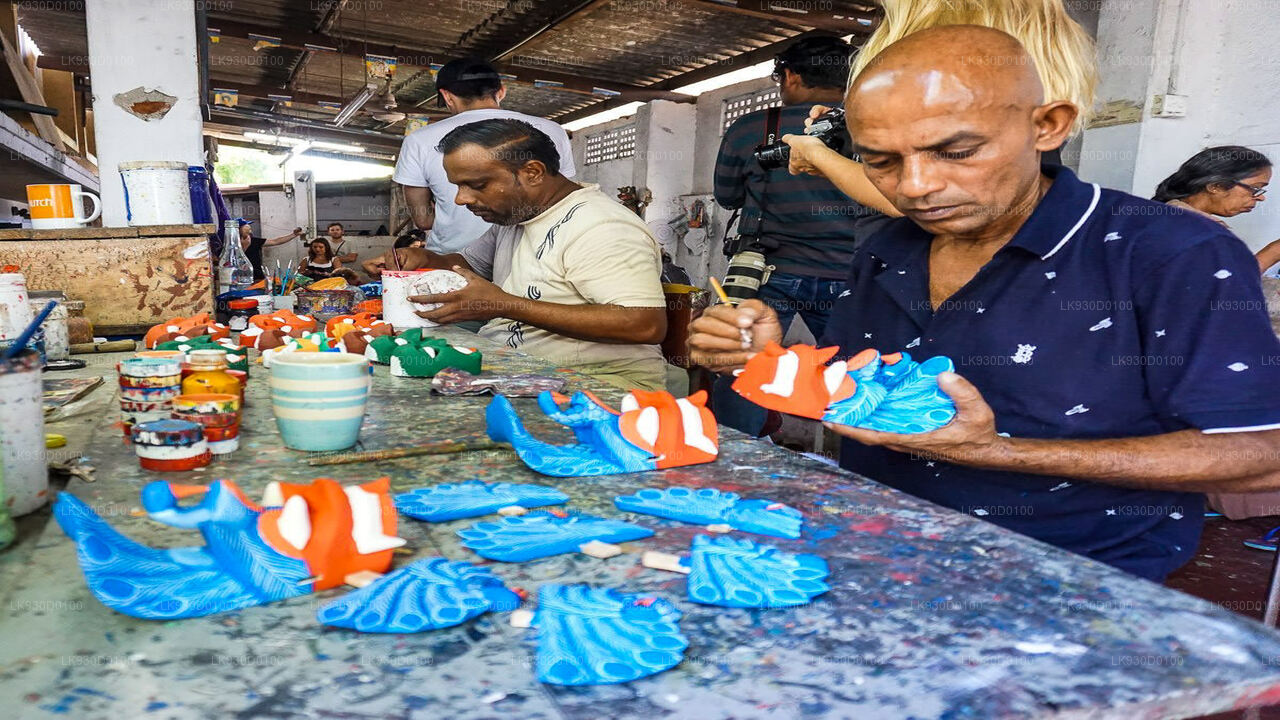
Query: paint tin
(399,285)
(148,385)
(266,303)
(156,192)
(22,445)
(326,304)
(218,414)
(57,342)
(170,445)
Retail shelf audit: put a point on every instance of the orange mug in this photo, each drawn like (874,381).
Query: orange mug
(60,206)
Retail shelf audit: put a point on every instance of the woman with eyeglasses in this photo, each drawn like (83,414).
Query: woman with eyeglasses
(1221,182)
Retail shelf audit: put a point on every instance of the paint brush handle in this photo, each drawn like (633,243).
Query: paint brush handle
(22,340)
(724,297)
(440,448)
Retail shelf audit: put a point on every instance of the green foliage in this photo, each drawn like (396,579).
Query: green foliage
(243,166)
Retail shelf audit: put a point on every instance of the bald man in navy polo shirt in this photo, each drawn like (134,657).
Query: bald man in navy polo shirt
(1114,356)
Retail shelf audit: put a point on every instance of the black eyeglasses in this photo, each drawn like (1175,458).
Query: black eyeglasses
(1254,191)
(778,67)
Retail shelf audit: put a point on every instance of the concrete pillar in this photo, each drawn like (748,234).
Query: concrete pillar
(136,46)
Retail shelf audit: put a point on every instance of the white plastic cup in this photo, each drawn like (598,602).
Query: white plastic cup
(15,306)
(22,447)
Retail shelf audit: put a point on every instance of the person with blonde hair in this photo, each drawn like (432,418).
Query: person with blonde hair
(1062,51)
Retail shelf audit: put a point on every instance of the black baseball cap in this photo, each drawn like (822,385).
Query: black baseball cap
(463,70)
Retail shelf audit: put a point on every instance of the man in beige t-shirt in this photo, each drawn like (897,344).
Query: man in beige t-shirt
(566,273)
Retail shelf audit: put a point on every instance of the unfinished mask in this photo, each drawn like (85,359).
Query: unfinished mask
(428,594)
(413,354)
(596,636)
(543,534)
(185,328)
(733,572)
(889,393)
(709,506)
(453,501)
(301,539)
(651,431)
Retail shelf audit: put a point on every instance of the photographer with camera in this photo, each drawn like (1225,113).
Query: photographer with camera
(797,233)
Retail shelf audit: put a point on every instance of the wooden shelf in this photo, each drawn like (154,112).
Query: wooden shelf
(99,233)
(26,159)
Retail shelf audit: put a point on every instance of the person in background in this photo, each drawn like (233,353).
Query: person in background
(337,238)
(1221,182)
(806,228)
(472,90)
(253,245)
(1050,295)
(373,268)
(320,262)
(1215,183)
(410,240)
(1063,52)
(564,272)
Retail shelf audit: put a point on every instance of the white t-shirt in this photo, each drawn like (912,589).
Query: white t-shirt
(585,249)
(421,165)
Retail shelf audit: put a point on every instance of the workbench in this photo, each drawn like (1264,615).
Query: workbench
(932,614)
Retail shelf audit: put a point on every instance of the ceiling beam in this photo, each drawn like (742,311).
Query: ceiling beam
(409,57)
(329,17)
(567,82)
(581,10)
(265,121)
(236,140)
(306,98)
(52,62)
(857,23)
(737,62)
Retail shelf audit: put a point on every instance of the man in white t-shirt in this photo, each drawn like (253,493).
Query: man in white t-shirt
(565,272)
(472,90)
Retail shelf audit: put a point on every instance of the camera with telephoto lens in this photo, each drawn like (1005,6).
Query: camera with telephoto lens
(746,272)
(828,127)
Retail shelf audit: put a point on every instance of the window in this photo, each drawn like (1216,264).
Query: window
(620,142)
(736,107)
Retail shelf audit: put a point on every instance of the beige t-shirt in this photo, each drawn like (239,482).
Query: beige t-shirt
(585,249)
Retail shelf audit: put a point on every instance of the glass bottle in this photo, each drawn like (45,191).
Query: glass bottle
(209,374)
(235,272)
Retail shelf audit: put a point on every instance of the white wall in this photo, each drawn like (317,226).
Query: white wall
(1219,54)
(612,174)
(149,44)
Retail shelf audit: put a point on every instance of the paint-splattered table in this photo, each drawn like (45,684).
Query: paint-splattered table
(933,614)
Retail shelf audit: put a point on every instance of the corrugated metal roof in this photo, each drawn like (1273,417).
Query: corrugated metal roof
(619,44)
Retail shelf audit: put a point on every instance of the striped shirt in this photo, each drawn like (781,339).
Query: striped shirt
(809,226)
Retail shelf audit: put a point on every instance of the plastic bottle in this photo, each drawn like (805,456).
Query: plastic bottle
(235,272)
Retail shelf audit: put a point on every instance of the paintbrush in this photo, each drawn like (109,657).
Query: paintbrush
(22,340)
(724,298)
(439,448)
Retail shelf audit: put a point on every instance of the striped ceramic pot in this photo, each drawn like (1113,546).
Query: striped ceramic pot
(319,398)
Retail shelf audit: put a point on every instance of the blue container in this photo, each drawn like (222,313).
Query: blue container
(319,399)
(198,186)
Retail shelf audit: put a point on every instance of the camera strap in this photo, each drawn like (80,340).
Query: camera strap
(772,122)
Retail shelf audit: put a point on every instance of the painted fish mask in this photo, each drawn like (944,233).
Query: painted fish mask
(651,431)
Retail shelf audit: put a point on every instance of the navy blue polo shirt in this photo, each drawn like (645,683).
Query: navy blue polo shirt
(1105,316)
